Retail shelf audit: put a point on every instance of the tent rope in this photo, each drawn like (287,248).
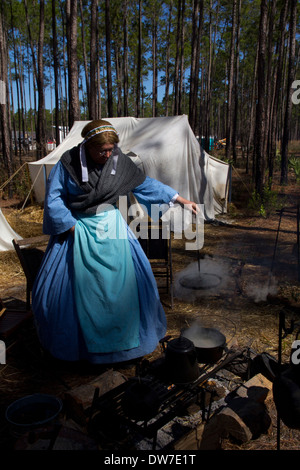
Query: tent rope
(11,177)
(31,188)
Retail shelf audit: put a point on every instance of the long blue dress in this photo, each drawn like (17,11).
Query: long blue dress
(95,297)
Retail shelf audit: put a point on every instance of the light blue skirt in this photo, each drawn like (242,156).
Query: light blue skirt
(110,283)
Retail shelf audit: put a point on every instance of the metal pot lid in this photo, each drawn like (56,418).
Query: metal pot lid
(197,281)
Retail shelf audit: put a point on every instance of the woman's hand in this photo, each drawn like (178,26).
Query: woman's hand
(192,206)
(72,230)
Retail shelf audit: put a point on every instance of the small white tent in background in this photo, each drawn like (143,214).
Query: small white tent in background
(166,149)
(7,234)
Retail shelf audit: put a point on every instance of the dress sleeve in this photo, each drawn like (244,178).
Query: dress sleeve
(152,193)
(57,216)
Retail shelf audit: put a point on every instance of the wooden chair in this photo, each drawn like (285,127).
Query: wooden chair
(11,319)
(155,240)
(30,252)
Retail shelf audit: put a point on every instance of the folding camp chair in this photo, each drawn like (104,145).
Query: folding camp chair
(30,252)
(155,240)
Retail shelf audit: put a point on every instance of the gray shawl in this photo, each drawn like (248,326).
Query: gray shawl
(104,185)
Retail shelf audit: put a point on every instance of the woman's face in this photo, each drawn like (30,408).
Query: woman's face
(100,153)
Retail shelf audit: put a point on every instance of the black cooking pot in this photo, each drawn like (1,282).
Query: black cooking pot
(140,401)
(181,361)
(209,343)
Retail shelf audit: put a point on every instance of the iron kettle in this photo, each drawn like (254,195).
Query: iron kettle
(181,361)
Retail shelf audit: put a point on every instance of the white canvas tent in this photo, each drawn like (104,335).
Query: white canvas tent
(7,234)
(166,149)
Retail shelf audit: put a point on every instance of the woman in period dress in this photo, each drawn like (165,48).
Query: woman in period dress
(95,297)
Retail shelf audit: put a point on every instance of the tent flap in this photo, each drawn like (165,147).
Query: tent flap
(7,234)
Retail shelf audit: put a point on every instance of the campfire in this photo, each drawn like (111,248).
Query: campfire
(150,401)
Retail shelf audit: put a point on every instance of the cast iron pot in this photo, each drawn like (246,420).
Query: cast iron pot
(181,361)
(209,343)
(140,401)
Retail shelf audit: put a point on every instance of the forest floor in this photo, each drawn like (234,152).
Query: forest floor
(256,260)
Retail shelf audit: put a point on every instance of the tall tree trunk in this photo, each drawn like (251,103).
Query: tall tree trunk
(18,144)
(22,95)
(93,62)
(30,41)
(41,134)
(208,85)
(12,104)
(125,60)
(261,105)
(99,93)
(213,68)
(104,76)
(154,63)
(108,59)
(230,83)
(277,84)
(63,74)
(168,61)
(177,60)
(252,113)
(85,61)
(4,99)
(195,63)
(197,69)
(29,73)
(194,59)
(139,63)
(270,98)
(118,68)
(181,77)
(56,66)
(235,119)
(99,90)
(15,55)
(290,79)
(201,103)
(74,108)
